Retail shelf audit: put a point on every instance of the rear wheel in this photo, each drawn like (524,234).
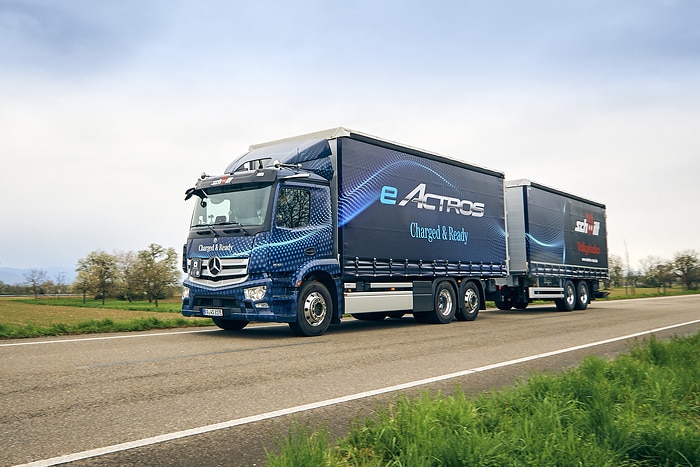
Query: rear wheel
(445,304)
(568,303)
(582,295)
(230,324)
(470,302)
(314,310)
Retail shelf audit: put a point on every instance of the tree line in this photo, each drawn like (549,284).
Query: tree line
(656,272)
(153,274)
(150,274)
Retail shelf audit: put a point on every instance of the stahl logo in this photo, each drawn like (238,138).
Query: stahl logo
(432,202)
(588,225)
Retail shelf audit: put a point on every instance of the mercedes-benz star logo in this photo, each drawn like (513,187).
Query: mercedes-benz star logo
(214,265)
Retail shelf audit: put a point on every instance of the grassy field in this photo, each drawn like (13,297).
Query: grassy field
(58,316)
(640,409)
(46,316)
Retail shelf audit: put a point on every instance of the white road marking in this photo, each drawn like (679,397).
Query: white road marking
(85,339)
(316,405)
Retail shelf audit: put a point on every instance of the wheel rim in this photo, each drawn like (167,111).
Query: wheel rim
(583,293)
(315,309)
(445,302)
(570,295)
(471,300)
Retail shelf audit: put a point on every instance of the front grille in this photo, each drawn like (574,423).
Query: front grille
(215,302)
(233,271)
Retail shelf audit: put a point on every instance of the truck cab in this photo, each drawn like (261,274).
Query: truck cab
(256,236)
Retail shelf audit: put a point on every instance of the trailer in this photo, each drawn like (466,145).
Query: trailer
(308,229)
(557,244)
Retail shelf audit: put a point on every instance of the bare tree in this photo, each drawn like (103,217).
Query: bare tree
(34,280)
(60,283)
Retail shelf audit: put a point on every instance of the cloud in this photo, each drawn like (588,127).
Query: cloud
(71,38)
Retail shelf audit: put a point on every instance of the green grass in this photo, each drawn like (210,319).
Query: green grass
(51,317)
(164,306)
(641,409)
(620,293)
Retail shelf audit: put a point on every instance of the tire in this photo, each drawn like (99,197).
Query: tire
(470,302)
(505,304)
(424,317)
(568,303)
(230,324)
(520,305)
(583,296)
(444,303)
(314,310)
(395,314)
(372,316)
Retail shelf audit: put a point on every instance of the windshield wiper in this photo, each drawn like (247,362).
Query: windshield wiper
(209,227)
(239,227)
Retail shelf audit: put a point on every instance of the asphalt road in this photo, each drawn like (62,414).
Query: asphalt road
(219,398)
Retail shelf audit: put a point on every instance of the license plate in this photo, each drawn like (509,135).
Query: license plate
(213,312)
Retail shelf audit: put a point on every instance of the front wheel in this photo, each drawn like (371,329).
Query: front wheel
(568,303)
(314,310)
(470,302)
(230,324)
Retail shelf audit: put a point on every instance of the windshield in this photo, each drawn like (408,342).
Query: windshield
(244,207)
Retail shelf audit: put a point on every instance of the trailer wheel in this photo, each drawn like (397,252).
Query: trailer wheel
(445,304)
(230,324)
(521,305)
(314,310)
(470,302)
(568,303)
(582,295)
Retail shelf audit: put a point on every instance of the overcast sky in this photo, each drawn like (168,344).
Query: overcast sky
(109,110)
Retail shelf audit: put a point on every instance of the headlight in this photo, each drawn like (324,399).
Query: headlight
(255,293)
(185,293)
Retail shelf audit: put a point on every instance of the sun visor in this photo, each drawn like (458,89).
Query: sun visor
(313,155)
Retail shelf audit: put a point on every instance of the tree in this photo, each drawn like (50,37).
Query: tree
(60,283)
(82,282)
(686,265)
(101,272)
(130,275)
(616,269)
(657,272)
(34,280)
(157,271)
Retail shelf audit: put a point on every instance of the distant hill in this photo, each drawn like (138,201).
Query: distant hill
(15,276)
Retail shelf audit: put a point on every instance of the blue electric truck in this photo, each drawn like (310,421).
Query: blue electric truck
(307,229)
(557,247)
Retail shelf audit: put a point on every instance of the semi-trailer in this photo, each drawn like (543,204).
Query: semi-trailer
(307,229)
(557,246)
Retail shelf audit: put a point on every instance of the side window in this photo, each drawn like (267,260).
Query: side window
(293,208)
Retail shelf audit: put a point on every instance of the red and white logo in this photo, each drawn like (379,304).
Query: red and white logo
(588,225)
